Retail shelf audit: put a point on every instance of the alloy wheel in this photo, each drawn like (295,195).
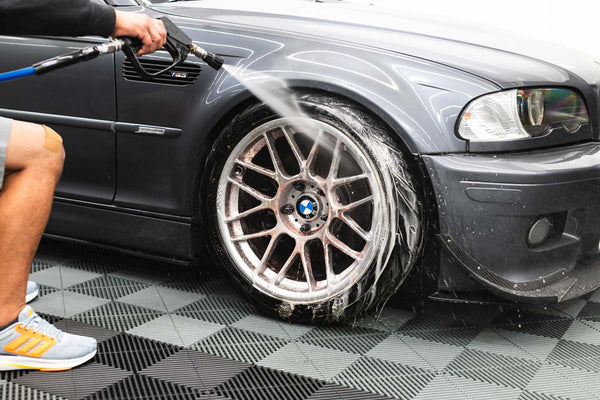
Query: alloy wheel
(298,202)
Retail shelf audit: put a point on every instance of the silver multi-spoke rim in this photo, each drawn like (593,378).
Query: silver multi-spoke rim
(298,205)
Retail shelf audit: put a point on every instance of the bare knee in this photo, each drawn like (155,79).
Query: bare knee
(35,146)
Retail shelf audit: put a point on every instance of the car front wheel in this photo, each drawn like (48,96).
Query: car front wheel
(315,216)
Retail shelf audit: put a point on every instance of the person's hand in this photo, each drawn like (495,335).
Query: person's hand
(150,31)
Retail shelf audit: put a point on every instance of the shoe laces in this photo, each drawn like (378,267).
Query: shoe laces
(38,324)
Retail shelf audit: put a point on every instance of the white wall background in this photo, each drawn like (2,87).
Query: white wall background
(572,23)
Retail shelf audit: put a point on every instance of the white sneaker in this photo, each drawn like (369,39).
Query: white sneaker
(32,291)
(34,343)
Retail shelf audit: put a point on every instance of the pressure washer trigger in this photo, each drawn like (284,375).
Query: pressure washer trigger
(130,47)
(178,45)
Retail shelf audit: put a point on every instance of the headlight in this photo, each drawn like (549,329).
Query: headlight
(521,114)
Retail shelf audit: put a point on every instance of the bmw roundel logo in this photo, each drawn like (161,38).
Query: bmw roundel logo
(307,207)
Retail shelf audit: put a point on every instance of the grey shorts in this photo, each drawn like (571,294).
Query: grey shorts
(5,127)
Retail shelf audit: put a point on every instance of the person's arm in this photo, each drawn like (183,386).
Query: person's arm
(56,17)
(78,18)
(150,31)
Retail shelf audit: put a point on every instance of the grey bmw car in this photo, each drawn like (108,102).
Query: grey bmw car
(342,153)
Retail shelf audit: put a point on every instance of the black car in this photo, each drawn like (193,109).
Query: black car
(386,155)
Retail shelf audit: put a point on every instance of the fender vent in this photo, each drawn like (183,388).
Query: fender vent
(183,74)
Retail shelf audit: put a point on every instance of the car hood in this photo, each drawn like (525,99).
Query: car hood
(503,57)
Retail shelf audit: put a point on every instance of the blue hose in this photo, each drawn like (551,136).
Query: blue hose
(18,73)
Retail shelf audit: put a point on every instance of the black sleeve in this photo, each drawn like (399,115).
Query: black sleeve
(56,17)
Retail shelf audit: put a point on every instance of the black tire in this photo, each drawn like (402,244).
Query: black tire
(400,232)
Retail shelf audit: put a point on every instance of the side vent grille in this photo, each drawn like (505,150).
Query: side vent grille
(183,74)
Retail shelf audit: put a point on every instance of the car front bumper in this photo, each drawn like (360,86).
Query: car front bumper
(488,206)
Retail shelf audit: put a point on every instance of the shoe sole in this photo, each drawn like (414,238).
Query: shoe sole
(31,296)
(9,363)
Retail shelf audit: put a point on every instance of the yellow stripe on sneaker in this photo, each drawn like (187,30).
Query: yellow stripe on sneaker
(43,348)
(30,343)
(19,366)
(17,342)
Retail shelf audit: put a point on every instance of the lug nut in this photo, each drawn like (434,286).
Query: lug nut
(239,171)
(287,209)
(324,217)
(305,228)
(299,186)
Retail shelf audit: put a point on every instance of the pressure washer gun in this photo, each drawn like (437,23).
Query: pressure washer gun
(179,45)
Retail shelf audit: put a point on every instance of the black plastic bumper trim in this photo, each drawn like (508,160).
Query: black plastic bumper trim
(553,287)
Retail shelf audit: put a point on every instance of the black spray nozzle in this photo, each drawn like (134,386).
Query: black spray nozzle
(211,59)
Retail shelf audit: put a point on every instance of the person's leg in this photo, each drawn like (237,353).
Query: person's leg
(34,161)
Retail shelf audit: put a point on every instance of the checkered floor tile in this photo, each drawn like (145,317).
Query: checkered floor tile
(170,332)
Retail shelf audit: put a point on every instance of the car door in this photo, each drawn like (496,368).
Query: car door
(77,101)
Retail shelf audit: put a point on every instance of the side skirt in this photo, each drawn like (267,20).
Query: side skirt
(145,235)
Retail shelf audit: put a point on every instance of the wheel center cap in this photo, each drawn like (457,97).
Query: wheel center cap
(307,207)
